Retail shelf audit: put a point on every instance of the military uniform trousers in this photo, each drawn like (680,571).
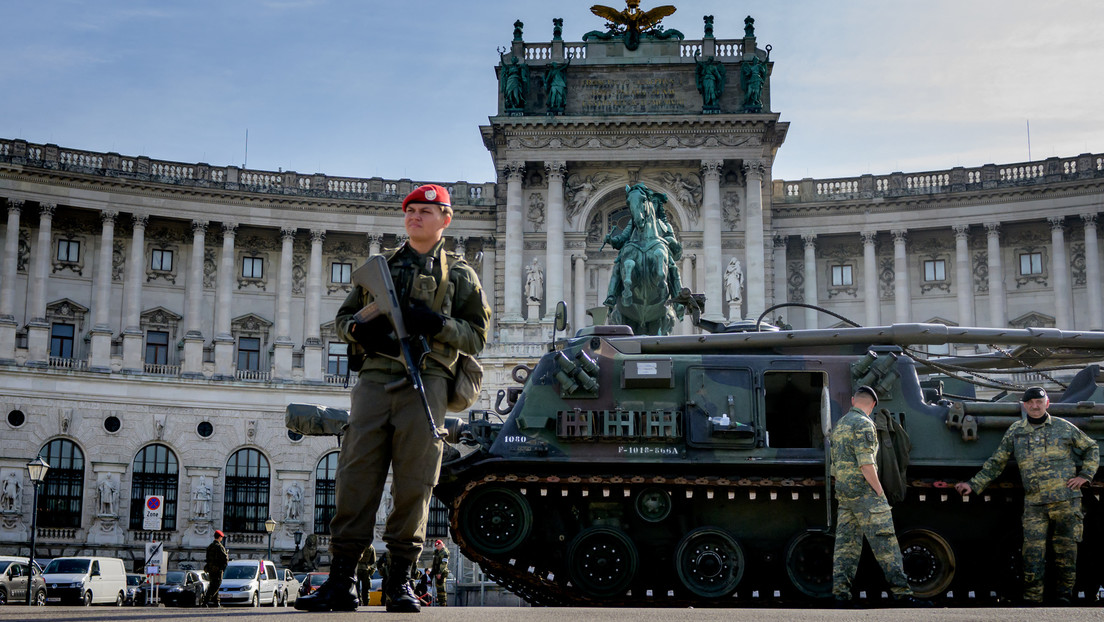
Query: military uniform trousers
(211,597)
(387,429)
(853,522)
(442,593)
(1068,521)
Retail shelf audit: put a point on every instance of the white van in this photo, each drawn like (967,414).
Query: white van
(250,582)
(85,580)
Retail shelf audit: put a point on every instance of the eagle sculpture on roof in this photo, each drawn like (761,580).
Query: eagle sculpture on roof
(632,22)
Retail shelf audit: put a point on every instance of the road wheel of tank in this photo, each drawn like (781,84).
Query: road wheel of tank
(929,562)
(809,563)
(653,504)
(709,562)
(496,520)
(602,561)
(40,598)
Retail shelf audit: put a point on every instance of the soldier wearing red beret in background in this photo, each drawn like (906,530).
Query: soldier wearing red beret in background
(214,566)
(387,429)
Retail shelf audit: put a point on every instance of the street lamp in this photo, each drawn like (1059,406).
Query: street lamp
(298,535)
(36,469)
(270,526)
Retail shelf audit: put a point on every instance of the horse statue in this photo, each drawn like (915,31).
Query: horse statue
(645,276)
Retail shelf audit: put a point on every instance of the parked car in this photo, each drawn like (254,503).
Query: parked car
(15,577)
(300,577)
(85,580)
(312,582)
(250,582)
(289,586)
(133,589)
(182,588)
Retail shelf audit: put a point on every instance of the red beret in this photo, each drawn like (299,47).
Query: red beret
(429,193)
(219,534)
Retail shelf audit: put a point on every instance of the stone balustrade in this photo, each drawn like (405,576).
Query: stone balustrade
(959,179)
(203,175)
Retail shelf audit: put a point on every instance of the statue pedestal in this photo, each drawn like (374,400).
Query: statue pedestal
(105,530)
(533,311)
(734,310)
(200,534)
(12,526)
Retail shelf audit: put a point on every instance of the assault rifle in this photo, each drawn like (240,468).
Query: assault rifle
(375,278)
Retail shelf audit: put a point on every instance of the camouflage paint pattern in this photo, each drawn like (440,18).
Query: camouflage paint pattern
(1067,518)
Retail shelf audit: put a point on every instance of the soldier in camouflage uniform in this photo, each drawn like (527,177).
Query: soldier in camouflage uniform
(387,429)
(440,572)
(863,508)
(1047,450)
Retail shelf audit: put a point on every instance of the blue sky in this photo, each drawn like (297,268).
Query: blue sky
(399,89)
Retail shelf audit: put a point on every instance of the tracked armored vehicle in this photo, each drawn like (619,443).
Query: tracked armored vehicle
(691,470)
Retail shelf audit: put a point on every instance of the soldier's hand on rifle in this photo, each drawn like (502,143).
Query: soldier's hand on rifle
(369,334)
(421,320)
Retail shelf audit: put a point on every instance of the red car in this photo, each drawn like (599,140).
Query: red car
(313,581)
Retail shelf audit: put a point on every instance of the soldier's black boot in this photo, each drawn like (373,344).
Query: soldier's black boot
(398,592)
(338,593)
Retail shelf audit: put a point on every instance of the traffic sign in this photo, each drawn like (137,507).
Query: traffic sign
(153,511)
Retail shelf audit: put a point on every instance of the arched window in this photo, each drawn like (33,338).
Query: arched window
(155,473)
(245,508)
(325,492)
(59,501)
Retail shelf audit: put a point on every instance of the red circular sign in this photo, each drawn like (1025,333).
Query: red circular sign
(153,503)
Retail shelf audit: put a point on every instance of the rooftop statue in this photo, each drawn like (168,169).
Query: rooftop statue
(710,78)
(631,23)
(556,83)
(645,276)
(514,84)
(754,74)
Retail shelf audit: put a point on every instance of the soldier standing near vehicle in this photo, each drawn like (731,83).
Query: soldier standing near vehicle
(388,428)
(863,507)
(440,572)
(1047,450)
(214,566)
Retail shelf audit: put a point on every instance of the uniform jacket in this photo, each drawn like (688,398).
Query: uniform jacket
(440,563)
(854,443)
(1046,455)
(217,558)
(468,316)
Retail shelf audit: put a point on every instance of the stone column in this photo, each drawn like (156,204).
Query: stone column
(810,279)
(224,339)
(193,291)
(997,318)
(283,345)
(554,241)
(755,268)
(312,344)
(687,324)
(100,357)
(374,241)
(711,239)
(1095,321)
(38,329)
(780,285)
(578,317)
(1063,294)
(487,278)
(132,322)
(901,298)
(871,301)
(964,283)
(515,245)
(8,272)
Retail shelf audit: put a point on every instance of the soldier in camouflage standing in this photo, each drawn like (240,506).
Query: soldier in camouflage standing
(440,571)
(442,301)
(863,508)
(1047,450)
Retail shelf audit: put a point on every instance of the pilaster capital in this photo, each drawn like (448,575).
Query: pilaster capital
(755,169)
(1089,219)
(513,171)
(108,217)
(287,234)
(869,237)
(374,238)
(229,229)
(199,227)
(711,169)
(317,236)
(555,170)
(489,243)
(15,206)
(1057,223)
(580,257)
(46,210)
(461,243)
(900,236)
(992,229)
(779,241)
(961,231)
(140,220)
(809,239)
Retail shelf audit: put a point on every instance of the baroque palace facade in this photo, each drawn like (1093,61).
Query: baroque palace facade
(157,316)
